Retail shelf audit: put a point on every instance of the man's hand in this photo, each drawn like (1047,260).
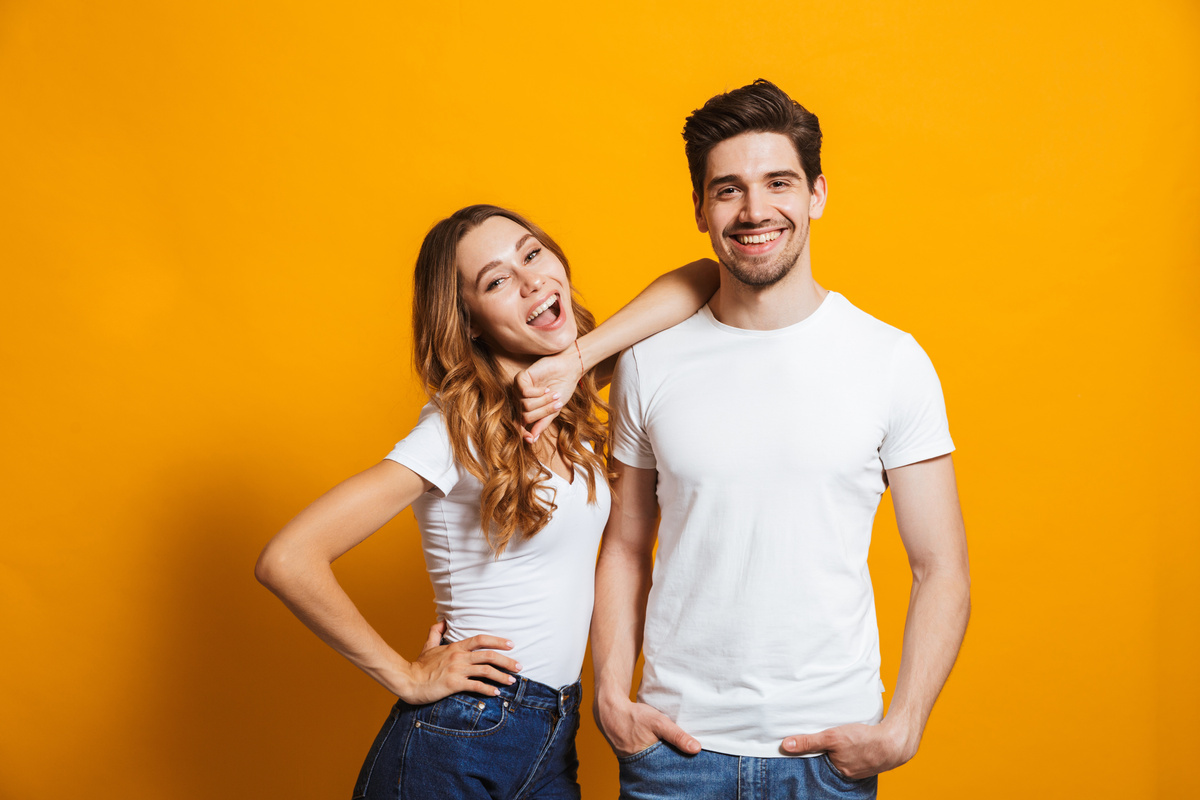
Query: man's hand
(544,388)
(632,727)
(856,751)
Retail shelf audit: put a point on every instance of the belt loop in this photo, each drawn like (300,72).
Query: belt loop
(522,683)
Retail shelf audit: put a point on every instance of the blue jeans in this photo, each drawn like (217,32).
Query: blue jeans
(660,772)
(518,745)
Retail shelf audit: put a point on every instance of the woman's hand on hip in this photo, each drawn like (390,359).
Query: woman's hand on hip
(444,669)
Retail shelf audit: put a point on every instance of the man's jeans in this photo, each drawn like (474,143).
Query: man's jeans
(660,772)
(520,744)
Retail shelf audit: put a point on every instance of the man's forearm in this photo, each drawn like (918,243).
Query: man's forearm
(622,586)
(938,609)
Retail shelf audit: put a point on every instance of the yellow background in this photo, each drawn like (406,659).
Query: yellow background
(208,215)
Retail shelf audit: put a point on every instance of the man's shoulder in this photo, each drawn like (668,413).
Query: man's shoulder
(866,325)
(674,342)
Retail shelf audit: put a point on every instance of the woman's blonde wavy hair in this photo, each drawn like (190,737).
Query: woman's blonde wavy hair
(464,381)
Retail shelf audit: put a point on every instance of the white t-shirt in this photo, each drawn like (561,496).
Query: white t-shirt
(539,592)
(770,448)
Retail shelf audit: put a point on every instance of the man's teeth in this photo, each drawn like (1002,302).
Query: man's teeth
(759,238)
(537,311)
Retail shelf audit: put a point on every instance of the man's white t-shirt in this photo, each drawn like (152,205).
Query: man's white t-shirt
(770,448)
(539,592)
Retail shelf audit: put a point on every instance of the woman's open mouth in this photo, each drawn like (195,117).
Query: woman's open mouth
(545,314)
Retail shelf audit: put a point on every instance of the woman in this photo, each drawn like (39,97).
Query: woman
(510,520)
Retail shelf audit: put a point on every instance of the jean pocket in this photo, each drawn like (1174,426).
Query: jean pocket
(464,715)
(640,754)
(837,773)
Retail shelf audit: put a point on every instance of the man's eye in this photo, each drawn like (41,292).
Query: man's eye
(532,254)
(728,190)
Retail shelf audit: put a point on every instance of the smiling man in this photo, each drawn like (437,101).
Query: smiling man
(765,429)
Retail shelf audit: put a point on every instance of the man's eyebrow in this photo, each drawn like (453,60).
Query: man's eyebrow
(497,262)
(779,173)
(722,179)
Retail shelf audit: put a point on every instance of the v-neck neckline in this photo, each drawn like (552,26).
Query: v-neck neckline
(574,473)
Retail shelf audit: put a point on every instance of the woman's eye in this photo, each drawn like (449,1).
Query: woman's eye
(532,254)
(496,282)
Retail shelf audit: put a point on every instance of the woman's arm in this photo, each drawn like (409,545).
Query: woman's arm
(670,299)
(296,566)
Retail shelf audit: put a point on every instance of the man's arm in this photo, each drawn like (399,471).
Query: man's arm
(925,496)
(622,586)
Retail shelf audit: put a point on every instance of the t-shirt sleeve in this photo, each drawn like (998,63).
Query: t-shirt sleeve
(426,451)
(917,426)
(630,442)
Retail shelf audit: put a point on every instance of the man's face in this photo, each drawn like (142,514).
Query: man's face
(756,206)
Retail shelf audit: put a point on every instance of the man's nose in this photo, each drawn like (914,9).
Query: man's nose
(755,207)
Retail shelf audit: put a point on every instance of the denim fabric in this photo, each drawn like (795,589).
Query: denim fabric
(518,745)
(660,772)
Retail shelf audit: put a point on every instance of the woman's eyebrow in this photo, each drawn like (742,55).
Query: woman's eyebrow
(497,262)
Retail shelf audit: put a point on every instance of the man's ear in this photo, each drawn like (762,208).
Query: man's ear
(701,222)
(820,193)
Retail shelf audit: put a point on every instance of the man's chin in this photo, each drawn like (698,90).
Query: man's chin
(757,276)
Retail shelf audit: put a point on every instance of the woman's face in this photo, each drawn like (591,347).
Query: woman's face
(516,290)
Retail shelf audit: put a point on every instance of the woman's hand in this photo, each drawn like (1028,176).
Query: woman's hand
(545,388)
(444,669)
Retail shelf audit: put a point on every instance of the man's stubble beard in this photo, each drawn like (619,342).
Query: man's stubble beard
(779,269)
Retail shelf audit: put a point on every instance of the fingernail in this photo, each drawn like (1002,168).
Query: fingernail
(558,405)
(511,679)
(557,395)
(495,692)
(789,744)
(510,644)
(518,668)
(545,391)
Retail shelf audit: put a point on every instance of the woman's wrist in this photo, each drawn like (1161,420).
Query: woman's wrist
(398,679)
(585,353)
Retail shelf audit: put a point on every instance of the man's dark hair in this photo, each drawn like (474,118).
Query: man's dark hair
(761,107)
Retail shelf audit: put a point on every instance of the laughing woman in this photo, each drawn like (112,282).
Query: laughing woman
(510,521)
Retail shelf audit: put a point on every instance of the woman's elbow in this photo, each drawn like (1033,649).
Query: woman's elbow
(273,567)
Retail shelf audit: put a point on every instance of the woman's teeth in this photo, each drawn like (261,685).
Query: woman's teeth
(759,238)
(551,300)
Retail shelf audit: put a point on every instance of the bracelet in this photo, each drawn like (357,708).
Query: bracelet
(582,369)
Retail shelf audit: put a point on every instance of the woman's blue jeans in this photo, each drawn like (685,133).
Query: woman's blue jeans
(517,745)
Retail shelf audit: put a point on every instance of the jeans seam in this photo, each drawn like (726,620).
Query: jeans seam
(394,719)
(403,758)
(537,764)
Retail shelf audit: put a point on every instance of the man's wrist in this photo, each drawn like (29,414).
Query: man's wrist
(611,695)
(904,732)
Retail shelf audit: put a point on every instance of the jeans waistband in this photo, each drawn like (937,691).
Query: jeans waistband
(531,694)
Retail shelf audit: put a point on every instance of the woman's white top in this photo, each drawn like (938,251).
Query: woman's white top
(539,592)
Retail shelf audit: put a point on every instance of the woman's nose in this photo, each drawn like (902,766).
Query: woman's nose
(531,281)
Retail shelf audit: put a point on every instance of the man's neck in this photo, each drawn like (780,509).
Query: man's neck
(751,308)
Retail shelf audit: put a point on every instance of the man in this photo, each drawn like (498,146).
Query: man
(767,427)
